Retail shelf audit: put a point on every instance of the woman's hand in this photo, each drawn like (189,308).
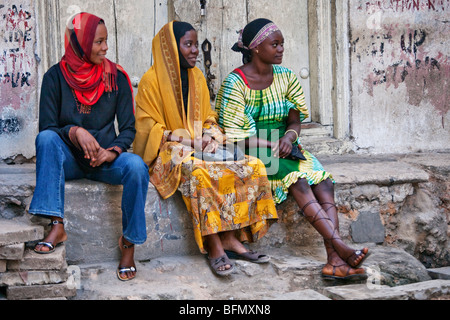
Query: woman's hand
(283,147)
(211,147)
(209,144)
(103,155)
(205,144)
(88,144)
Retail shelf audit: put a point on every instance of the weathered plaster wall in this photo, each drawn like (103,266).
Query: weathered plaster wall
(399,61)
(18,78)
(400,71)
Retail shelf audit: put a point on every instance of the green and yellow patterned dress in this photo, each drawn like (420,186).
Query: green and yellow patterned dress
(244,112)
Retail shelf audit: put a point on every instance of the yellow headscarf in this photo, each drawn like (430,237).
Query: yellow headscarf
(159,102)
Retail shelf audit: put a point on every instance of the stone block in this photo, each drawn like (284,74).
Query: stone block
(93,220)
(35,261)
(12,251)
(364,292)
(2,266)
(440,273)
(394,267)
(374,171)
(12,232)
(40,291)
(306,294)
(28,278)
(366,191)
(367,228)
(425,290)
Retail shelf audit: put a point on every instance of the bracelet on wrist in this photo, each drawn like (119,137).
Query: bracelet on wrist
(292,130)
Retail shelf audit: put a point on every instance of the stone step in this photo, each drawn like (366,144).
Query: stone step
(190,278)
(440,273)
(13,232)
(366,185)
(33,261)
(324,145)
(426,290)
(47,291)
(26,274)
(32,277)
(38,276)
(289,275)
(12,251)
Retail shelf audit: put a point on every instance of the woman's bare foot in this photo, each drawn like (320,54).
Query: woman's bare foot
(231,243)
(350,256)
(56,236)
(356,257)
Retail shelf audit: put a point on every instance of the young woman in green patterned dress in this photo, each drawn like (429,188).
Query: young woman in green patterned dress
(262,104)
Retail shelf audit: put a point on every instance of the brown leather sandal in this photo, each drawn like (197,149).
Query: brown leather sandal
(347,276)
(330,233)
(356,253)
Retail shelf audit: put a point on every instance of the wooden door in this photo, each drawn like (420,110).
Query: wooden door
(291,16)
(131,26)
(222,20)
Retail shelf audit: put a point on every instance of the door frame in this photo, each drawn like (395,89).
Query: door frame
(330,65)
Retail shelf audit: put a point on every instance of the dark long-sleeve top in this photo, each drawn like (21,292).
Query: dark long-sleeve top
(60,111)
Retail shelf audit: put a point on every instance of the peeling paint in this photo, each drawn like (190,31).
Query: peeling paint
(400,68)
(17,58)
(18,78)
(425,77)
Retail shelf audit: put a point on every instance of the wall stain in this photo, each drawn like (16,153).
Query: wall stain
(17,67)
(425,76)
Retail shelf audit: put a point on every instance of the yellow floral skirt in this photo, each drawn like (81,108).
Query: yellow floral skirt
(225,196)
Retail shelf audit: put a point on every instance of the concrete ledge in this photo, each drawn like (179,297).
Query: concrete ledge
(416,291)
(93,235)
(33,261)
(93,210)
(94,223)
(39,291)
(379,170)
(440,273)
(12,232)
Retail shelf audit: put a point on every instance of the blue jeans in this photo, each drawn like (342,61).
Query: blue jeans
(55,164)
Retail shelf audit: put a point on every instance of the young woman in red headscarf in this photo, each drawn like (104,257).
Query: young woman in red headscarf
(81,97)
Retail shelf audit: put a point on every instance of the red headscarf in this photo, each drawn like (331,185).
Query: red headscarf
(89,81)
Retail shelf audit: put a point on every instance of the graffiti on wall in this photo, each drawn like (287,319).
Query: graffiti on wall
(404,54)
(17,63)
(403,5)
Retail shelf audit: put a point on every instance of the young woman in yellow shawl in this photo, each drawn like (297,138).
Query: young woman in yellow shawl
(230,201)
